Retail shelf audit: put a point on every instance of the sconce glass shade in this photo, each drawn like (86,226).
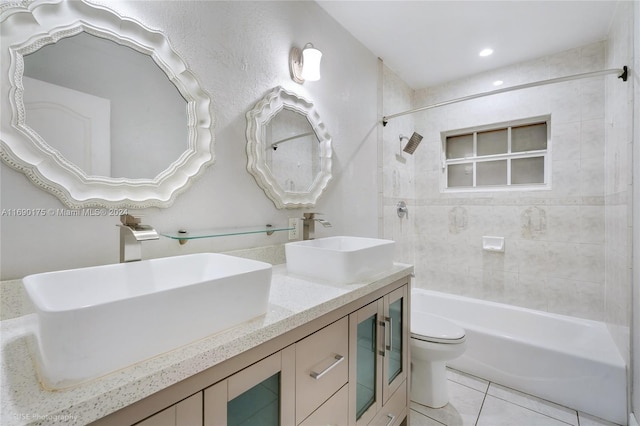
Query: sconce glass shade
(311,63)
(305,64)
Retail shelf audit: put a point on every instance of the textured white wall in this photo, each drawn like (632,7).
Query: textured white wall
(239,51)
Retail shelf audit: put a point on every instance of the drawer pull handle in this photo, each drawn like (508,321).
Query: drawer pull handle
(392,419)
(388,334)
(336,360)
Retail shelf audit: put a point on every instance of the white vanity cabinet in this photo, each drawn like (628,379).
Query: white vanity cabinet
(379,365)
(348,366)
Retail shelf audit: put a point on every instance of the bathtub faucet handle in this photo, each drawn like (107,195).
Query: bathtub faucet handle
(402,209)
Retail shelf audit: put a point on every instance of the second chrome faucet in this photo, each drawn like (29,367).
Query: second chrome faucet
(132,233)
(309,225)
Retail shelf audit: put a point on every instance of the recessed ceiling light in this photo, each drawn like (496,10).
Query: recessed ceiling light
(498,83)
(485,52)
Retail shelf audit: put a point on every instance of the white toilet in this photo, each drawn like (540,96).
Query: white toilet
(434,342)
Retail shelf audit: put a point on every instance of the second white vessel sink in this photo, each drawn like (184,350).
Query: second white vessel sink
(92,321)
(341,260)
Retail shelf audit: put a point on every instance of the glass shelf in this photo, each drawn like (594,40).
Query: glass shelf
(184,236)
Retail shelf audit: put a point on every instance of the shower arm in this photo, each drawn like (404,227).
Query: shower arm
(622,73)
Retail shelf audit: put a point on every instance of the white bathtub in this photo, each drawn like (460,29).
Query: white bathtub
(569,361)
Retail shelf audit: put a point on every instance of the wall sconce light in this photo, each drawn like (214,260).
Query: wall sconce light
(305,64)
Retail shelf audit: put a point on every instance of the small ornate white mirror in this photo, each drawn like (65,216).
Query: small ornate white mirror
(99,109)
(288,149)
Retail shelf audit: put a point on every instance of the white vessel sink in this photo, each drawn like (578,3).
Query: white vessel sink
(341,260)
(93,321)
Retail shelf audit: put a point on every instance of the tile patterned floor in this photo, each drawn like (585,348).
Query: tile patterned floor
(478,402)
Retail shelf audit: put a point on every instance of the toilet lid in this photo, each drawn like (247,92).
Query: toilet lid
(433,328)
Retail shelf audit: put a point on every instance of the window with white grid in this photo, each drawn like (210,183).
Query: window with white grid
(506,156)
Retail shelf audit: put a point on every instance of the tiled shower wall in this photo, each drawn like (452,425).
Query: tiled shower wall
(398,167)
(555,239)
(618,179)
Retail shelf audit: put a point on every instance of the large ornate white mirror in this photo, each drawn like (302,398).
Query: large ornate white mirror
(288,149)
(103,112)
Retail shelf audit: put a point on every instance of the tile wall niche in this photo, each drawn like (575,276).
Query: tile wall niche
(555,239)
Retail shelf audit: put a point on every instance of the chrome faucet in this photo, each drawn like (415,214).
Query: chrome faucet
(132,233)
(309,225)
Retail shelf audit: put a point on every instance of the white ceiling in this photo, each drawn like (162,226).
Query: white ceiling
(431,42)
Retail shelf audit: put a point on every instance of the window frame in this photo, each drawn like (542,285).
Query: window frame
(475,159)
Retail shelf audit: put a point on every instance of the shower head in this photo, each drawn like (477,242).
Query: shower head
(413,143)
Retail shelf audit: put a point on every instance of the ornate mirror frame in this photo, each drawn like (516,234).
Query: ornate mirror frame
(27,26)
(257,120)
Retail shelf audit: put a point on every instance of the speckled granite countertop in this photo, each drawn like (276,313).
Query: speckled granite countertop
(293,301)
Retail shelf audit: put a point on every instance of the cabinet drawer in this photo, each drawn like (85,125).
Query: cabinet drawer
(395,410)
(333,412)
(322,366)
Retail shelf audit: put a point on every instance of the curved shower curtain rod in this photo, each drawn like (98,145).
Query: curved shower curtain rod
(622,73)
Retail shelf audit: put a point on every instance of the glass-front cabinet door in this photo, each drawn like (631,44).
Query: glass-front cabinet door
(396,342)
(380,364)
(259,404)
(365,369)
(256,395)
